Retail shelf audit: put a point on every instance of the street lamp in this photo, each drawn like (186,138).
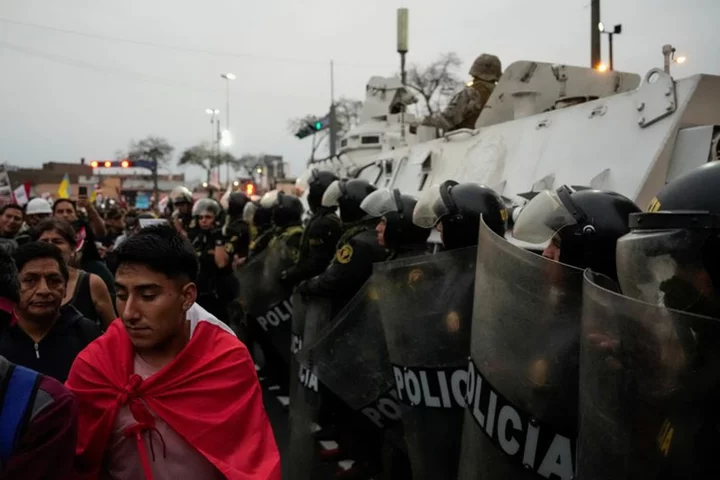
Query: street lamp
(227,77)
(601,67)
(669,54)
(616,30)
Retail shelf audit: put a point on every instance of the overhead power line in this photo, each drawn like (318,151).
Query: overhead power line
(184,49)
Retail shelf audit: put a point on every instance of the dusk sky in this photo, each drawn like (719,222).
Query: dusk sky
(81,78)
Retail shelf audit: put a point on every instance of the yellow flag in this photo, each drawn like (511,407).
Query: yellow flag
(64,188)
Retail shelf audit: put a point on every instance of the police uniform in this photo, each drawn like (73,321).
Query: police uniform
(352,265)
(290,236)
(261,241)
(209,275)
(236,235)
(317,247)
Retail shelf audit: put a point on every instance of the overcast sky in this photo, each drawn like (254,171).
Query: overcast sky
(64,96)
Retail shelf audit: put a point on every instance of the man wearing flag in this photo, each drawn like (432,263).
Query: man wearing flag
(168,392)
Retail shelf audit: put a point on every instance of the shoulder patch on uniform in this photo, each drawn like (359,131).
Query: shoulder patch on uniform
(229,248)
(654,205)
(344,255)
(415,275)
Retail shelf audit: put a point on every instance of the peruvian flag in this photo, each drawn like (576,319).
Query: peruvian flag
(21,194)
(209,395)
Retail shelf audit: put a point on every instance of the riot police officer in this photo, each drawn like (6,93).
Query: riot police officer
(357,248)
(455,209)
(262,230)
(396,230)
(209,248)
(236,230)
(182,202)
(322,232)
(287,211)
(582,226)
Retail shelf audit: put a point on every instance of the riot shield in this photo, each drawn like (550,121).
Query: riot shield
(266,301)
(521,417)
(649,390)
(311,315)
(426,310)
(350,358)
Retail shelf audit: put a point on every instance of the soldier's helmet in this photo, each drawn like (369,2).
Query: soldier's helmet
(486,67)
(286,209)
(397,210)
(588,223)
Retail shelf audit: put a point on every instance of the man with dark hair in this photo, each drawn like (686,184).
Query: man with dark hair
(168,378)
(11,220)
(44,335)
(38,419)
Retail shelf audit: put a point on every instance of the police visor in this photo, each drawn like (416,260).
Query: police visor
(381,202)
(430,208)
(331,197)
(662,260)
(249,212)
(270,199)
(542,217)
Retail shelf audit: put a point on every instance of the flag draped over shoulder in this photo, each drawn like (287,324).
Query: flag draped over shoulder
(64,188)
(209,395)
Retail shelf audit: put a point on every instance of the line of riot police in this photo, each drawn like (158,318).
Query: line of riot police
(596,359)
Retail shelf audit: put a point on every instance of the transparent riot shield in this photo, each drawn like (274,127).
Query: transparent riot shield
(521,417)
(649,390)
(266,301)
(350,358)
(311,315)
(426,310)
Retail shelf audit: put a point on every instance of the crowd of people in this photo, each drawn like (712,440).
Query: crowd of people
(119,350)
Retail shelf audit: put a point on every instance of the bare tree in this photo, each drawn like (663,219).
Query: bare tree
(154,148)
(435,83)
(347,115)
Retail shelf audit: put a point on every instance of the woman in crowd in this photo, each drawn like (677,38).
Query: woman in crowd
(86,232)
(85,291)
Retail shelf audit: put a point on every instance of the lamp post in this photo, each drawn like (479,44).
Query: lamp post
(617,30)
(226,137)
(669,54)
(214,137)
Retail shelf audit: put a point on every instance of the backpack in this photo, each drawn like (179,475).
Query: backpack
(19,394)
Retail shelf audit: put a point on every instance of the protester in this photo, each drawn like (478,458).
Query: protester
(45,335)
(86,233)
(170,378)
(37,210)
(11,220)
(39,439)
(85,291)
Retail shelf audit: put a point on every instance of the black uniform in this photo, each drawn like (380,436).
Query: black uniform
(316,248)
(236,235)
(352,265)
(210,275)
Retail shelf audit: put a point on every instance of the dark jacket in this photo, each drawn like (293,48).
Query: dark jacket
(352,265)
(45,446)
(317,246)
(55,353)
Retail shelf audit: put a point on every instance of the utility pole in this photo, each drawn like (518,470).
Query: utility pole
(333,119)
(595,48)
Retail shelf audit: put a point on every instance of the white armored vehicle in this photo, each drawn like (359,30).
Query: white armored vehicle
(544,126)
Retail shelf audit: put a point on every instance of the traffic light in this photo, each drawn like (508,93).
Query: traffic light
(314,126)
(114,164)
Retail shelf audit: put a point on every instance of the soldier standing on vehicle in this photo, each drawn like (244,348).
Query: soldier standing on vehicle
(321,234)
(465,107)
(357,249)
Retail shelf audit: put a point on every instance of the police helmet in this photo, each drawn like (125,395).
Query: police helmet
(671,257)
(205,206)
(236,203)
(458,208)
(486,67)
(588,223)
(181,195)
(348,195)
(397,210)
(316,183)
(286,209)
